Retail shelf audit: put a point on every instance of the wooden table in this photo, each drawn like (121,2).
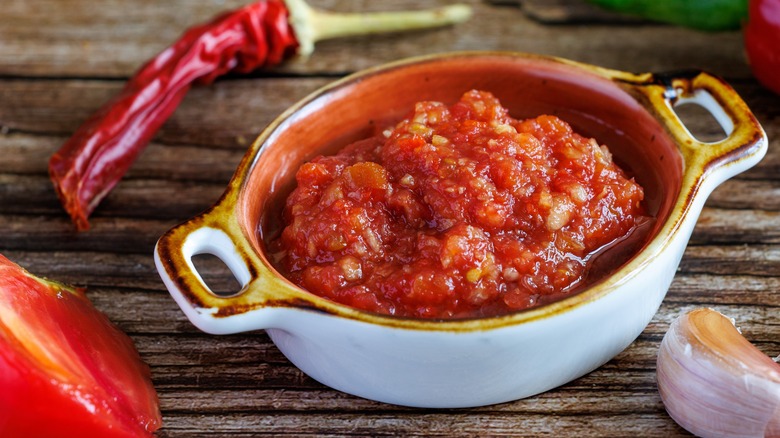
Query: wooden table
(60,60)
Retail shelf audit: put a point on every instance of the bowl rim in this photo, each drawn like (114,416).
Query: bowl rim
(700,161)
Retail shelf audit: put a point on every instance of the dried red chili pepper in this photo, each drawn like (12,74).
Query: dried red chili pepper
(762,42)
(258,35)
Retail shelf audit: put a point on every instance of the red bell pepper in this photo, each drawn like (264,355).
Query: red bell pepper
(65,369)
(762,42)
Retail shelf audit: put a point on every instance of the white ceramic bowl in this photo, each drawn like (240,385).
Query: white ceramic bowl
(481,361)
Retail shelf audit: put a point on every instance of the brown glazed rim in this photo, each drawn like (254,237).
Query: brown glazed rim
(655,92)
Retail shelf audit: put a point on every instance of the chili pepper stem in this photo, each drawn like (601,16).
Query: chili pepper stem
(312,25)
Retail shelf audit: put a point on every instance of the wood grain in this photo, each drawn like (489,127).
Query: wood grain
(113,40)
(60,61)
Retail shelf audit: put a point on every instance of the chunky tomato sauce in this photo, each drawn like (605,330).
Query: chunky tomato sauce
(457,211)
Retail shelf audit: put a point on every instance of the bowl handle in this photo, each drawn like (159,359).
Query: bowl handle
(745,143)
(218,233)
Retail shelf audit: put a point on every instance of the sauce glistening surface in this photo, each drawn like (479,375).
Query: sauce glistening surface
(457,211)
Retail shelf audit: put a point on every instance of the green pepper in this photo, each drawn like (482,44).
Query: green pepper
(709,15)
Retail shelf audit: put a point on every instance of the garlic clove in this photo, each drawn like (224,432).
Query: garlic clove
(714,382)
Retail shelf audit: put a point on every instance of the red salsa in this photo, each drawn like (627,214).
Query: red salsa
(457,211)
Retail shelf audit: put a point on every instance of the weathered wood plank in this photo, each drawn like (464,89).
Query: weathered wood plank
(741,194)
(759,260)
(447,424)
(202,349)
(220,376)
(730,290)
(57,233)
(28,154)
(142,199)
(718,225)
(229,114)
(92,269)
(116,38)
(253,401)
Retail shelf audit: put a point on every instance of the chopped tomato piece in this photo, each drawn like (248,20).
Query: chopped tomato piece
(65,369)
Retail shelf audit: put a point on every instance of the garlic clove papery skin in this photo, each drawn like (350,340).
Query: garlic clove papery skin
(714,382)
